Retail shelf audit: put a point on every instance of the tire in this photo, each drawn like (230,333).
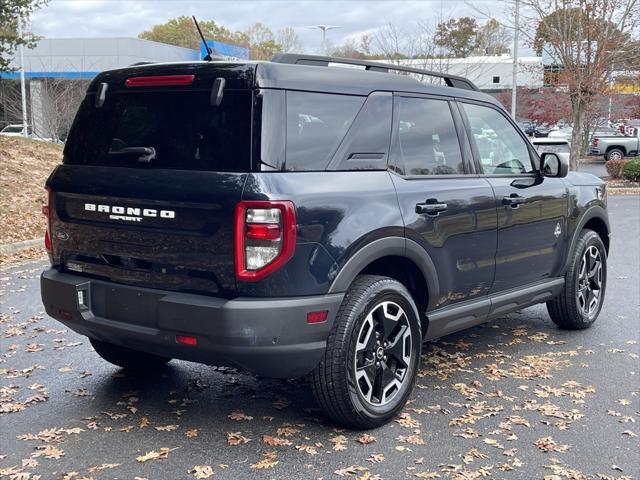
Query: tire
(615,154)
(357,338)
(574,308)
(127,358)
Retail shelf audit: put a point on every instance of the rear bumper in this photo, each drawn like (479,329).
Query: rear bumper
(269,337)
(594,151)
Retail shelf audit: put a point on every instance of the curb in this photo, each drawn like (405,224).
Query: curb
(15,247)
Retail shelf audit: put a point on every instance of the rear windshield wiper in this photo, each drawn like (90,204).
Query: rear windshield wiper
(145,154)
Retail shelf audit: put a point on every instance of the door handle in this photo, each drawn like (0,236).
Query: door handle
(514,200)
(431,207)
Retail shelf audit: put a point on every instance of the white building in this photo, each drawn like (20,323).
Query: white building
(86,57)
(489,73)
(76,59)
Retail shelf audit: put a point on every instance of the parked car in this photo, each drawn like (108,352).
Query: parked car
(15,130)
(542,130)
(301,219)
(527,127)
(564,132)
(616,147)
(559,146)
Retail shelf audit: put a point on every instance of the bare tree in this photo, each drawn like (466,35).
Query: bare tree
(393,43)
(59,100)
(288,40)
(585,40)
(10,101)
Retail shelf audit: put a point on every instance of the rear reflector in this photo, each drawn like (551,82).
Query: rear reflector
(317,317)
(46,211)
(263,231)
(187,340)
(159,81)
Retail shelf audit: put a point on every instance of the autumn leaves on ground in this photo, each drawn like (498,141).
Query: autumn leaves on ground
(24,168)
(514,399)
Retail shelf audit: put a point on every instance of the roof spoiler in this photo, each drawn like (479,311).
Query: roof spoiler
(322,61)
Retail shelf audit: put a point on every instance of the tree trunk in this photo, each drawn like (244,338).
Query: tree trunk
(578,109)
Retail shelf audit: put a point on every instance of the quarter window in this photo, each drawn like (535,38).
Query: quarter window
(427,139)
(501,149)
(316,124)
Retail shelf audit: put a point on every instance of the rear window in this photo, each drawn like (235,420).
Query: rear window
(316,124)
(176,130)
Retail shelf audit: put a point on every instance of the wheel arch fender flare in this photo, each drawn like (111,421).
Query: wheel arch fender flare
(384,247)
(622,148)
(593,212)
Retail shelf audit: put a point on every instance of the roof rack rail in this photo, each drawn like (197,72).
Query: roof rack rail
(322,61)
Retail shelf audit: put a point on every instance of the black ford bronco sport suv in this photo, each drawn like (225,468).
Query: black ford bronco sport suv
(293,217)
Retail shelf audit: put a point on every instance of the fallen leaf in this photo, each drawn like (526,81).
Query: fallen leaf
(366,439)
(376,458)
(104,466)
(275,441)
(351,470)
(547,444)
(239,415)
(162,454)
(236,438)
(201,471)
(268,460)
(310,449)
(166,428)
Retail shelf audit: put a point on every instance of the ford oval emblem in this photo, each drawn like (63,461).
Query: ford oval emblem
(62,235)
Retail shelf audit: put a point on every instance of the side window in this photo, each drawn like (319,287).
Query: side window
(502,150)
(316,124)
(427,138)
(366,145)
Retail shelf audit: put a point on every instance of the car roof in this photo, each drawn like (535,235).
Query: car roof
(350,80)
(266,74)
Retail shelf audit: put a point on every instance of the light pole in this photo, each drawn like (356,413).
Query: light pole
(22,83)
(324,29)
(514,85)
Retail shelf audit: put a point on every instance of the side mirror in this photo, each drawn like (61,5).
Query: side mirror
(554,165)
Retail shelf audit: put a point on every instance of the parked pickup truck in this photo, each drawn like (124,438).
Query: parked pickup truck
(616,147)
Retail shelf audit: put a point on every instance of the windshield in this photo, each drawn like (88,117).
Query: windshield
(178,129)
(552,147)
(12,129)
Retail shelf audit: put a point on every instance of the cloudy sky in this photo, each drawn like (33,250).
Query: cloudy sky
(127,18)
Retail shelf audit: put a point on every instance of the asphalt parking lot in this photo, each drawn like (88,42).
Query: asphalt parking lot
(516,398)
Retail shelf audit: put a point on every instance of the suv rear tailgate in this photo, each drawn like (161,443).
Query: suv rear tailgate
(136,227)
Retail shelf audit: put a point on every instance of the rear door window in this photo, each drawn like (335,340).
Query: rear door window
(316,124)
(175,130)
(427,138)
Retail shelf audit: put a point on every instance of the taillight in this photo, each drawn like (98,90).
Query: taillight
(594,142)
(46,211)
(265,237)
